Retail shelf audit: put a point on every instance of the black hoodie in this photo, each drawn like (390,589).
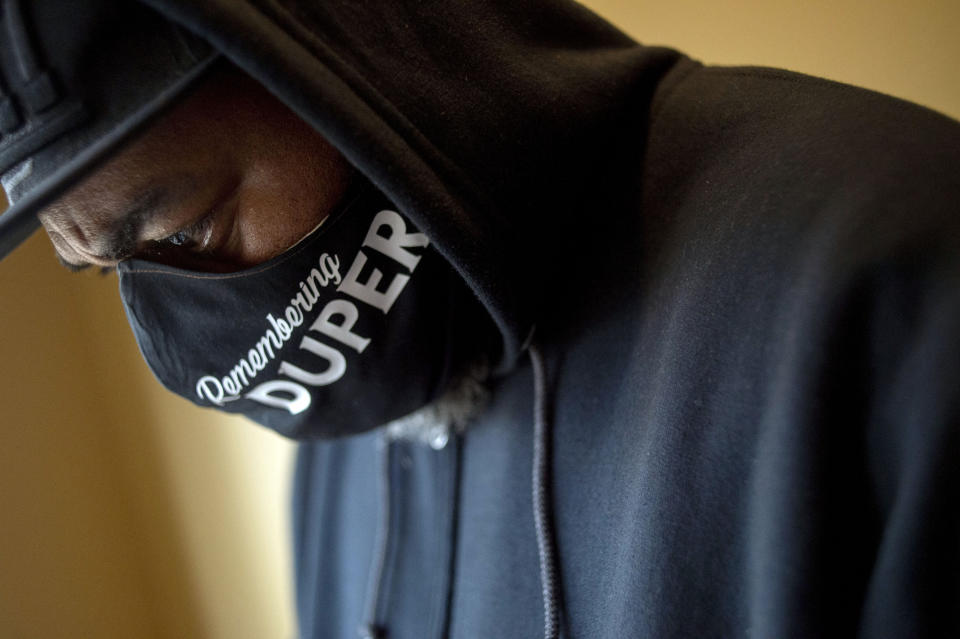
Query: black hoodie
(742,288)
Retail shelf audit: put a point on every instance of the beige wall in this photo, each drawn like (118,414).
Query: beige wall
(129,513)
(907,49)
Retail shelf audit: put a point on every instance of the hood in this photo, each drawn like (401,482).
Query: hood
(488,123)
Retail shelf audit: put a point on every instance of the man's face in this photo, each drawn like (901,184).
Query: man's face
(227,178)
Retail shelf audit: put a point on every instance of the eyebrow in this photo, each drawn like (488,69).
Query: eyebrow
(122,241)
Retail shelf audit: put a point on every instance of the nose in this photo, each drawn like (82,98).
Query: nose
(77,241)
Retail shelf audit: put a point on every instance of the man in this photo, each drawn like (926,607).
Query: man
(718,307)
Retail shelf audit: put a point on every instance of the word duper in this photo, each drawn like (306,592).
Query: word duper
(335,321)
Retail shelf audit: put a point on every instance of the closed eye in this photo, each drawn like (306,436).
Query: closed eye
(195,237)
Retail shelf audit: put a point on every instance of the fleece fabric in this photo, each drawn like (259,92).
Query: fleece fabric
(745,284)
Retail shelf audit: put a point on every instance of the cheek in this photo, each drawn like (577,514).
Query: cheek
(268,223)
(283,201)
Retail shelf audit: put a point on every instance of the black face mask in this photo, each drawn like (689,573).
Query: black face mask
(360,323)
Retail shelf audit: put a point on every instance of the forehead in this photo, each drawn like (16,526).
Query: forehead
(194,139)
(184,139)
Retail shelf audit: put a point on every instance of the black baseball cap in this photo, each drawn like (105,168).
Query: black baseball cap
(77,78)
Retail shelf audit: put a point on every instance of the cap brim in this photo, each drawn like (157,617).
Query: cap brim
(20,220)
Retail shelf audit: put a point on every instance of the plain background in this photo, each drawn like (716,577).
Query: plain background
(127,512)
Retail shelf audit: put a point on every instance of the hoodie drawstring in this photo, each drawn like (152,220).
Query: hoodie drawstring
(542,500)
(541,483)
(370,629)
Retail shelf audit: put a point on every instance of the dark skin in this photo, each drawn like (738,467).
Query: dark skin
(226,179)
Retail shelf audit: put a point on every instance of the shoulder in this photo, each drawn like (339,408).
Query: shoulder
(820,161)
(794,103)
